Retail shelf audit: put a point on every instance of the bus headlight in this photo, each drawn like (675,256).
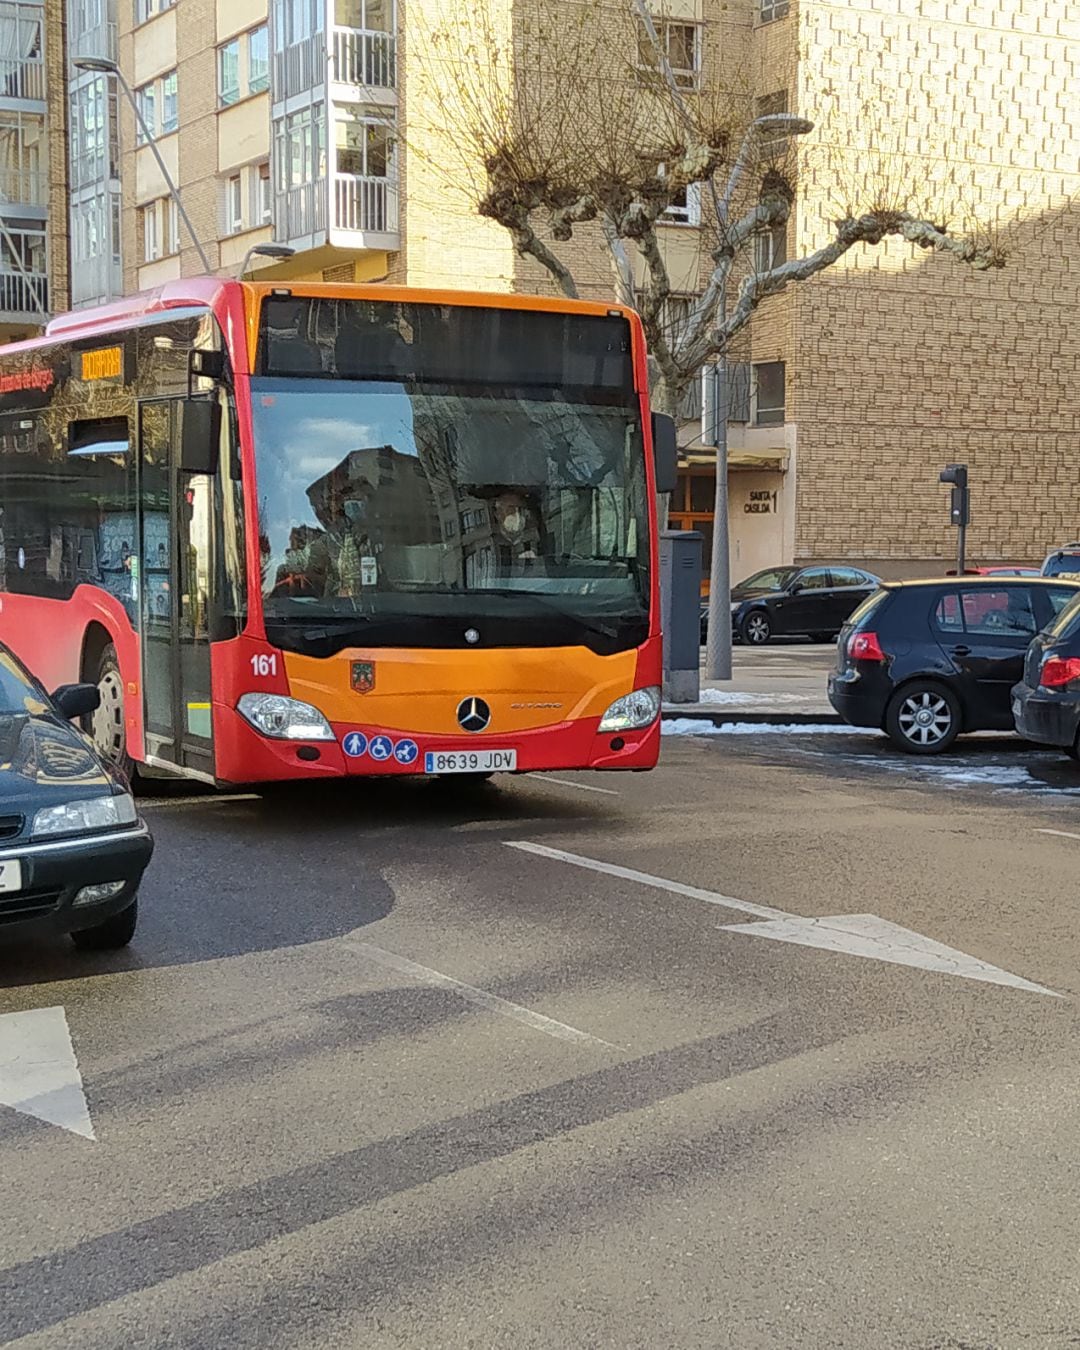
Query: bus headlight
(632,711)
(284,719)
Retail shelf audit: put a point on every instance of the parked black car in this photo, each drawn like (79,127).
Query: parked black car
(1063,562)
(794,602)
(72,848)
(927,660)
(1046,703)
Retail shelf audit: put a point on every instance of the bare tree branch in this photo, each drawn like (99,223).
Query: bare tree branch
(620,263)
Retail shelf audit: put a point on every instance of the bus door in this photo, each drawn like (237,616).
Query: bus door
(176,568)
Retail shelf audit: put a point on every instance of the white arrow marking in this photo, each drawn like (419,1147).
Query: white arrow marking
(39,1074)
(867,935)
(849,934)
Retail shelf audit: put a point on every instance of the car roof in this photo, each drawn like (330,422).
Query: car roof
(988,583)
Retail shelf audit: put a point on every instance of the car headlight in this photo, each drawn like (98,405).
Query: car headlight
(284,719)
(97,813)
(632,711)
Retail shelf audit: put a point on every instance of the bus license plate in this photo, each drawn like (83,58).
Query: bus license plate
(470,761)
(10,877)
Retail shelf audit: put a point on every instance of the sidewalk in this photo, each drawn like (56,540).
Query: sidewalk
(774,685)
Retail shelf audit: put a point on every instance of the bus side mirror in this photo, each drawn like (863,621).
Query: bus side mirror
(200,435)
(665,452)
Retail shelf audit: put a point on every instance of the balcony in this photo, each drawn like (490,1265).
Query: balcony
(23,297)
(22,80)
(365,205)
(23,187)
(364,58)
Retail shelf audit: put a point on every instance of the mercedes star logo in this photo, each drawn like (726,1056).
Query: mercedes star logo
(473,714)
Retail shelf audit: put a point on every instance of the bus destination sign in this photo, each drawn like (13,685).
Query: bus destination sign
(107,363)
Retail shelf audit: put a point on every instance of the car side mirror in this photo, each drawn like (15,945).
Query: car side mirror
(665,452)
(796,587)
(77,700)
(200,435)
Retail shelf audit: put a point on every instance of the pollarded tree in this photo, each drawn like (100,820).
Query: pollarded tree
(589,121)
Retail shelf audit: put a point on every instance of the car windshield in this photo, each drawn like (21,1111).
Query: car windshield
(17,693)
(1066,623)
(1062,565)
(775,579)
(382,503)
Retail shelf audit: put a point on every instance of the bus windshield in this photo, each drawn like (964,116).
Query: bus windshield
(411,511)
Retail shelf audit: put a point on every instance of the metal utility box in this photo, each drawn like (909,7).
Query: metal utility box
(680,613)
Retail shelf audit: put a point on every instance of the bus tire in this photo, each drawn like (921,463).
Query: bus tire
(108,725)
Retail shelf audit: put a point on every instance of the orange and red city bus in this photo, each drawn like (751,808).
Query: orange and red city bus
(303,531)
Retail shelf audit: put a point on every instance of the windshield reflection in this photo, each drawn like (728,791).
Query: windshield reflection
(377,503)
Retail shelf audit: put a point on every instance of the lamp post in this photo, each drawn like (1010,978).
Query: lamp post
(718,646)
(101,65)
(278,251)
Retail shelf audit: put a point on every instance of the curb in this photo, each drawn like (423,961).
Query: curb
(758,719)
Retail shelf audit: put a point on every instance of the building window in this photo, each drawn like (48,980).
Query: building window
(770,248)
(158,107)
(374,16)
(263,207)
(364,142)
(296,20)
(170,113)
(229,73)
(768,394)
(171,224)
(258,45)
(680,43)
(148,229)
(146,102)
(773,9)
(234,205)
(146,9)
(685,208)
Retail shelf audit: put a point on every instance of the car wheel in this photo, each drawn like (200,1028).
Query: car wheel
(1073,751)
(923,718)
(107,725)
(109,936)
(755,628)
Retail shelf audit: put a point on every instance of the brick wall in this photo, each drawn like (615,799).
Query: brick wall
(56,75)
(903,361)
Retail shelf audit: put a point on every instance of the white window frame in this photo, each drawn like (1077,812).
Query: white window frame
(170,76)
(771,10)
(170,234)
(151,235)
(234,204)
(145,10)
(263,194)
(765,248)
(146,100)
(755,410)
(690,214)
(687,80)
(248,36)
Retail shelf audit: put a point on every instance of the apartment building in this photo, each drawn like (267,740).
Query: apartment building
(323,124)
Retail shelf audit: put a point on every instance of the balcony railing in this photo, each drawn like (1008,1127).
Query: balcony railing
(302,210)
(23,295)
(22,80)
(365,205)
(364,58)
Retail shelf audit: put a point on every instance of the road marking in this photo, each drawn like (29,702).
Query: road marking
(491,1002)
(1061,834)
(880,940)
(565,782)
(39,1074)
(645,879)
(208,800)
(849,934)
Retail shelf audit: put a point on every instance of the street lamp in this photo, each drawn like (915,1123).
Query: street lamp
(101,65)
(278,251)
(718,646)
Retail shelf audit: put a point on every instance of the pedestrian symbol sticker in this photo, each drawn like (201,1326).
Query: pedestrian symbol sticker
(381,748)
(355,744)
(406,752)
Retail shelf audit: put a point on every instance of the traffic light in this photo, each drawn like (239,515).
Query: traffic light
(960,503)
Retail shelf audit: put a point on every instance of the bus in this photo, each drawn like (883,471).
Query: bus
(303,531)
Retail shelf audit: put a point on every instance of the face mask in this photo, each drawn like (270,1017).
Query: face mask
(513,522)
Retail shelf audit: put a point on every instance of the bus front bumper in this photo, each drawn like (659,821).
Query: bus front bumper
(246,756)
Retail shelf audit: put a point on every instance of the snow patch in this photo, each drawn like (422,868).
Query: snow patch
(732,698)
(692,726)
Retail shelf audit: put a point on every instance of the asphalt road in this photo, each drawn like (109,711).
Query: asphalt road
(370,1077)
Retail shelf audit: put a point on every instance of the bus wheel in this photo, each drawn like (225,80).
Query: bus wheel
(107,724)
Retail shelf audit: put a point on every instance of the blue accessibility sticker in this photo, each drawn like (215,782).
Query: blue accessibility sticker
(381,747)
(406,752)
(355,744)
